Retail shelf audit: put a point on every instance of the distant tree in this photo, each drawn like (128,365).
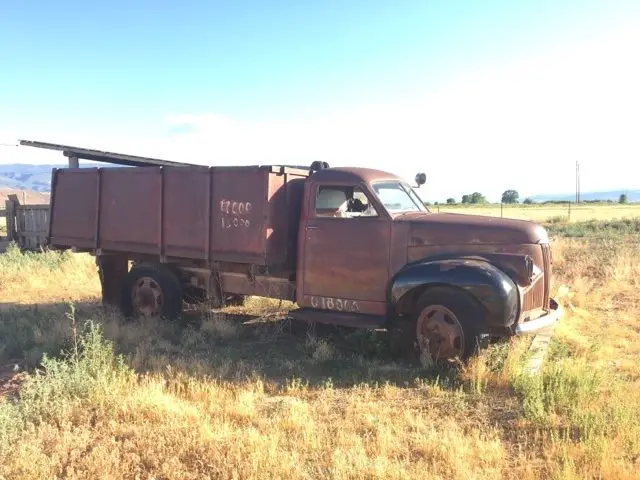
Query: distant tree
(466,198)
(510,196)
(477,197)
(451,201)
(623,198)
(527,201)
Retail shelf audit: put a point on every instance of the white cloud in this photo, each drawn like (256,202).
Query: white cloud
(517,123)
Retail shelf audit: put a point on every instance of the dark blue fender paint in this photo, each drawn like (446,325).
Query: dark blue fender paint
(488,284)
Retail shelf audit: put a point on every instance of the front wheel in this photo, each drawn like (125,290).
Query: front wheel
(448,324)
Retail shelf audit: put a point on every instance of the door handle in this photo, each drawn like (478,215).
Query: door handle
(311,227)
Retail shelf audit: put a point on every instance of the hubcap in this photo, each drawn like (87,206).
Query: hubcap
(439,333)
(147,297)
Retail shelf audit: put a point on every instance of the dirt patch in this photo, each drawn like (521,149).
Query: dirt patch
(28,197)
(10,380)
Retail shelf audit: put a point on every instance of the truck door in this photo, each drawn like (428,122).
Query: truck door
(345,251)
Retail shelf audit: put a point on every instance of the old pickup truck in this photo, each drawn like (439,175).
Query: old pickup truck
(350,246)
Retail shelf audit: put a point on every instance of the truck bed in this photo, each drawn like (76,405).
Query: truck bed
(234,214)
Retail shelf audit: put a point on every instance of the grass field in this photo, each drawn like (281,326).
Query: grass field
(543,213)
(243,394)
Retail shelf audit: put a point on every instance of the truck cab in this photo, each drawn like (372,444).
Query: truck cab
(371,253)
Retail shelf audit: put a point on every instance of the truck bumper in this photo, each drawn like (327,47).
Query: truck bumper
(539,323)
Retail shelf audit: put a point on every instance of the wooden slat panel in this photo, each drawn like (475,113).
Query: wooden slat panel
(32,225)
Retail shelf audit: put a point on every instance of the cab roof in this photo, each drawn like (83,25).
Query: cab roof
(352,175)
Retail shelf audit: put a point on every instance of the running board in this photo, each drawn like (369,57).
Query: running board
(355,320)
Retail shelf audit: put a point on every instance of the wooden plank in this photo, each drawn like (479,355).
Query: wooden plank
(11,204)
(33,208)
(103,156)
(29,224)
(33,234)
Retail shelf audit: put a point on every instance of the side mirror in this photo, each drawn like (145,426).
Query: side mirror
(421,179)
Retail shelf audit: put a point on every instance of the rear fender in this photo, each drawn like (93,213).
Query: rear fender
(489,285)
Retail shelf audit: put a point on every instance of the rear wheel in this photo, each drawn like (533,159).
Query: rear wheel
(234,300)
(448,324)
(152,291)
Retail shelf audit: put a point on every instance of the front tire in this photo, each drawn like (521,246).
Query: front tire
(151,291)
(448,324)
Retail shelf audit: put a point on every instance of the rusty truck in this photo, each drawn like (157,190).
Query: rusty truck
(350,246)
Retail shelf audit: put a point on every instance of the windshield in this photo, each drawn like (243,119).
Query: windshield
(398,197)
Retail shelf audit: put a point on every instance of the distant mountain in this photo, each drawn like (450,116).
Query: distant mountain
(26,177)
(22,176)
(614,195)
(38,178)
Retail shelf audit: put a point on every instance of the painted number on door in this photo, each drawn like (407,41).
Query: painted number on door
(339,304)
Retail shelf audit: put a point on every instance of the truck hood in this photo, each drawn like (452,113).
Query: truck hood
(454,228)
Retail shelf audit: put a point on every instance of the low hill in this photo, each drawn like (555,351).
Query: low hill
(614,195)
(36,178)
(26,197)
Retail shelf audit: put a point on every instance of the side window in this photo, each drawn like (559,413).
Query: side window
(343,202)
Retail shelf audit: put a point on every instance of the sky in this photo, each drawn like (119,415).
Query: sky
(480,96)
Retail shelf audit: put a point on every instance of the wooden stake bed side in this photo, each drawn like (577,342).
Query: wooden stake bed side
(27,225)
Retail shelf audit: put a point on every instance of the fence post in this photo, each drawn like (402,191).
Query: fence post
(569,211)
(501,216)
(11,205)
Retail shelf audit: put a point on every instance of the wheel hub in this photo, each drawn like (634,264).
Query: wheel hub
(439,333)
(147,297)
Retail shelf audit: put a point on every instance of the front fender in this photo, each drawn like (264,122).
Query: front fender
(489,285)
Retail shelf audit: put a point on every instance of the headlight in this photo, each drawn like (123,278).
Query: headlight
(535,272)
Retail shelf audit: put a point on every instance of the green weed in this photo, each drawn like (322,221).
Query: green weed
(89,370)
(593,228)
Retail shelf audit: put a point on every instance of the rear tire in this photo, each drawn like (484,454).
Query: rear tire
(448,324)
(234,300)
(151,291)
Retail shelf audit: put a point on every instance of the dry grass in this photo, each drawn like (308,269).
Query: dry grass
(543,213)
(47,277)
(220,397)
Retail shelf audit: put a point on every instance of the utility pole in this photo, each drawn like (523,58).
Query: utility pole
(577,182)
